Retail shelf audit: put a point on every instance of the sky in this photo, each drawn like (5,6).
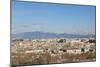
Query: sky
(54,18)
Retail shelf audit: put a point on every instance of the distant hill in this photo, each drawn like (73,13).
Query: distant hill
(46,35)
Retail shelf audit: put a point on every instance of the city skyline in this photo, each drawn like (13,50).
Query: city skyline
(49,17)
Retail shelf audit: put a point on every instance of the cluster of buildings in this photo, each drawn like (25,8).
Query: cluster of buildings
(75,46)
(51,50)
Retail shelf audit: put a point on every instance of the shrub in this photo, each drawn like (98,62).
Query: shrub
(39,61)
(91,56)
(13,66)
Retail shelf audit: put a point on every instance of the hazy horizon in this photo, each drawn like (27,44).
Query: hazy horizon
(54,18)
(55,33)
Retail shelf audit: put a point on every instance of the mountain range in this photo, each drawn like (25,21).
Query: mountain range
(47,35)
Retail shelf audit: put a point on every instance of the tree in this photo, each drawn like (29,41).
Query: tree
(62,41)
